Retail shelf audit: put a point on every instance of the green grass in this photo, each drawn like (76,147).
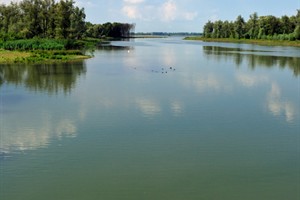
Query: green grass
(41,44)
(40,56)
(249,41)
(45,50)
(49,44)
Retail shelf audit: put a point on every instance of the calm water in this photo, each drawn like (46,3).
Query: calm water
(157,119)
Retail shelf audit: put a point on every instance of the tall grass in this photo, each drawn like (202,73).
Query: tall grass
(41,44)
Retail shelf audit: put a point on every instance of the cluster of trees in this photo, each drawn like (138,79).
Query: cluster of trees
(257,27)
(41,18)
(52,19)
(109,30)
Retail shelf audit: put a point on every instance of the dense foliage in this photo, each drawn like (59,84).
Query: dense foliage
(257,27)
(52,19)
(116,30)
(41,44)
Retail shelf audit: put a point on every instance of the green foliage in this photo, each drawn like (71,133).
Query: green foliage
(42,18)
(41,44)
(53,19)
(297,32)
(239,27)
(264,27)
(115,30)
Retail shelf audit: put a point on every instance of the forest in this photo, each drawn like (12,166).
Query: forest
(257,27)
(50,19)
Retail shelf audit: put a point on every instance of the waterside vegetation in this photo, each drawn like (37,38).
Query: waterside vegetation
(264,30)
(35,26)
(40,56)
(264,42)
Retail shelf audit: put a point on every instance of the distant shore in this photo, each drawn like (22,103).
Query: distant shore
(249,41)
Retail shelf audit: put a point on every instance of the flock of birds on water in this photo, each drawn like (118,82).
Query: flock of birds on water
(163,70)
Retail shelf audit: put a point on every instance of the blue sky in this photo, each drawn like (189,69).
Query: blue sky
(179,15)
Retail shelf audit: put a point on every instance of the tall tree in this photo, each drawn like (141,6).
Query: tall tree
(253,26)
(218,29)
(286,26)
(208,29)
(270,24)
(77,23)
(63,21)
(297,28)
(239,27)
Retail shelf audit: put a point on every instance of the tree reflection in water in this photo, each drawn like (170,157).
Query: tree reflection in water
(50,78)
(253,58)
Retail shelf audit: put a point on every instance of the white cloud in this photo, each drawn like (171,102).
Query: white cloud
(81,4)
(169,11)
(190,15)
(131,12)
(133,1)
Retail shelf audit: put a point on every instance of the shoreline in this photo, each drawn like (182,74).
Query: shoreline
(37,57)
(248,41)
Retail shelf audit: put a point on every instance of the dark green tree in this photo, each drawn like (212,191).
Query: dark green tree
(63,20)
(253,26)
(77,23)
(297,28)
(286,25)
(218,29)
(239,27)
(208,29)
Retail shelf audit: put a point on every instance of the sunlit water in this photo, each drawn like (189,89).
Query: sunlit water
(154,119)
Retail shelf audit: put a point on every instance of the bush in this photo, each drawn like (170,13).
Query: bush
(38,44)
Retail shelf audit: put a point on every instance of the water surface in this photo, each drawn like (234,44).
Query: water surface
(154,119)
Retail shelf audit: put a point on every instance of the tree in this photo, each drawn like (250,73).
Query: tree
(297,29)
(239,27)
(208,29)
(228,29)
(253,27)
(63,21)
(263,27)
(270,25)
(218,29)
(77,23)
(286,26)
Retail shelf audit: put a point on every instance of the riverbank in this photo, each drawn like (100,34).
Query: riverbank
(249,41)
(46,50)
(39,56)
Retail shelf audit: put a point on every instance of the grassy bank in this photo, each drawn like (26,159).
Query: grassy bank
(249,41)
(40,56)
(45,50)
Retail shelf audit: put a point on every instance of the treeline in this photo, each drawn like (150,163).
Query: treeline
(52,19)
(257,27)
(109,30)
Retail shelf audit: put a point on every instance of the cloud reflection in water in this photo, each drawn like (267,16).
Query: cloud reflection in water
(277,105)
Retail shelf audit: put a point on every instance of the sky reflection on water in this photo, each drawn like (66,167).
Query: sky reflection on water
(150,119)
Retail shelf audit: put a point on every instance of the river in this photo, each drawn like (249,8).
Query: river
(161,119)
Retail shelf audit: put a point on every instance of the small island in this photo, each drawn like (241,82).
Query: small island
(49,31)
